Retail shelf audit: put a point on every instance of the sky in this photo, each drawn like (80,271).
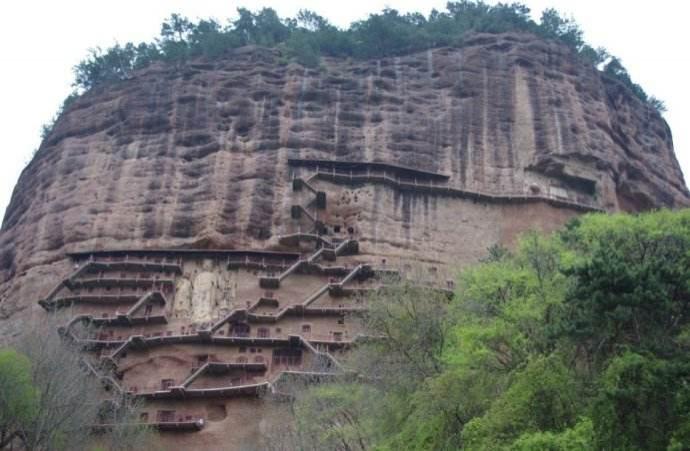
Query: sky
(41,41)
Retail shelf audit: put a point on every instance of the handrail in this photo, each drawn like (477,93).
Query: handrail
(234,312)
(119,320)
(344,245)
(306,212)
(48,305)
(314,296)
(307,184)
(118,280)
(306,236)
(315,256)
(110,264)
(179,391)
(220,253)
(205,367)
(291,269)
(175,425)
(109,379)
(326,354)
(444,189)
(366,166)
(64,282)
(144,299)
(352,274)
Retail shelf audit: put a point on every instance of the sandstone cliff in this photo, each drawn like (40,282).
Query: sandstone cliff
(197,156)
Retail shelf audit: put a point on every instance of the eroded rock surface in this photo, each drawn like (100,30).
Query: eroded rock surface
(197,157)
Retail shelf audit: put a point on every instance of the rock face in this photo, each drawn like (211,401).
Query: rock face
(431,157)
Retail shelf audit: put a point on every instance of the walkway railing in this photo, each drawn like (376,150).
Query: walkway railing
(441,188)
(368,166)
(115,281)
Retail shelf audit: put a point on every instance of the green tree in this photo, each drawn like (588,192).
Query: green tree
(176,28)
(573,341)
(18,396)
(304,48)
(631,288)
(577,438)
(50,397)
(641,401)
(567,30)
(542,397)
(114,64)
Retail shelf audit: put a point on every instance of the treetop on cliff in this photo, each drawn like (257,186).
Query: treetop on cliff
(309,36)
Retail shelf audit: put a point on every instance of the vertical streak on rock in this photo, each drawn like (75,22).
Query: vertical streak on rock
(114,167)
(484,128)
(216,179)
(429,63)
(448,142)
(507,121)
(580,119)
(286,118)
(285,121)
(459,135)
(493,88)
(523,135)
(399,79)
(397,197)
(433,132)
(566,120)
(467,121)
(261,213)
(427,224)
(336,124)
(155,154)
(379,193)
(170,179)
(302,88)
(228,224)
(477,117)
(368,130)
(406,211)
(555,113)
(434,215)
(353,97)
(294,109)
(190,116)
(399,117)
(541,141)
